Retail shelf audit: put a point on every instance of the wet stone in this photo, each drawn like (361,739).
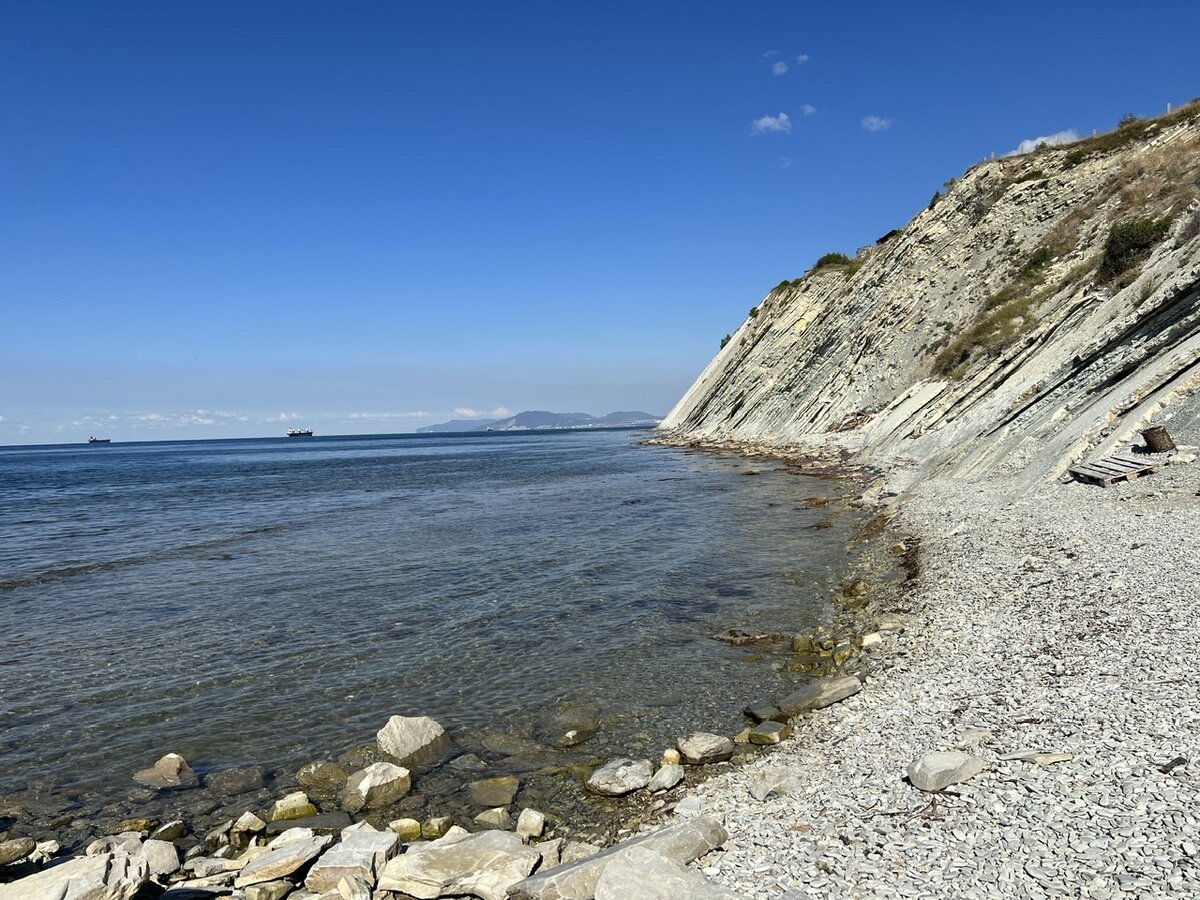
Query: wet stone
(230,782)
(494,791)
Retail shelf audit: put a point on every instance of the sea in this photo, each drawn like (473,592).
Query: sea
(273,601)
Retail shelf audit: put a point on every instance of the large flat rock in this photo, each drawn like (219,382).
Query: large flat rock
(681,842)
(105,876)
(482,865)
(282,861)
(644,874)
(821,692)
(361,854)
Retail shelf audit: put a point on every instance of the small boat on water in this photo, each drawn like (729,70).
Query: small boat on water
(96,440)
(300,432)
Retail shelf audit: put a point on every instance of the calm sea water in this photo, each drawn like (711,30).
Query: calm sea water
(274,601)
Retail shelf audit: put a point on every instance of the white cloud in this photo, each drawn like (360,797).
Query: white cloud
(284,417)
(468,412)
(767,54)
(158,420)
(801,59)
(785,162)
(808,109)
(1051,140)
(779,67)
(779,124)
(876,123)
(385,416)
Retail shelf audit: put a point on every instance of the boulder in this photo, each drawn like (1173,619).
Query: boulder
(282,861)
(940,769)
(770,733)
(129,842)
(620,777)
(681,842)
(142,827)
(379,784)
(494,791)
(435,827)
(819,693)
(361,855)
(763,710)
(230,782)
(551,851)
(292,806)
(269,890)
(174,830)
(483,865)
(703,748)
(171,771)
(404,737)
(571,726)
(248,823)
(16,850)
(666,778)
(644,874)
(530,824)
(350,889)
(406,829)
(494,818)
(161,858)
(106,876)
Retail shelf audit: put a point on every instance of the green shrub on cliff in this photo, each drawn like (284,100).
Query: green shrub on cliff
(831,259)
(1129,243)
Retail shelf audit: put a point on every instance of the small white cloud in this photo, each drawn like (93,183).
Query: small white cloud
(808,109)
(1051,140)
(501,412)
(386,416)
(767,54)
(779,67)
(785,162)
(876,123)
(801,59)
(779,124)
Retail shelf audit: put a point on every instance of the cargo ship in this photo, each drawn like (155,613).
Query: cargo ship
(300,432)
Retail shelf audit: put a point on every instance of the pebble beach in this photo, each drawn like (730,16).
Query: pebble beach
(1050,636)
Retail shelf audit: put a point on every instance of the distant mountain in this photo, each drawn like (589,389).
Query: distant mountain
(541,419)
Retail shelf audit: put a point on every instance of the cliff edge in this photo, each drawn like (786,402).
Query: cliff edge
(1041,311)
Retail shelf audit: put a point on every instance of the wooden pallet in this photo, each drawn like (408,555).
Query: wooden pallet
(1111,469)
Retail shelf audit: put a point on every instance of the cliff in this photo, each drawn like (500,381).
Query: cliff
(1043,310)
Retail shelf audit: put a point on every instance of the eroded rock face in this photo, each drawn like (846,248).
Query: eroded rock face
(880,360)
(620,777)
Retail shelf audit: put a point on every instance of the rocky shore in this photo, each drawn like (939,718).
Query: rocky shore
(1017,718)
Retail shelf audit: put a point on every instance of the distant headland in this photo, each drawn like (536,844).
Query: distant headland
(540,419)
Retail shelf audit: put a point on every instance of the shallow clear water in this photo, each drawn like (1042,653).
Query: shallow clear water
(273,601)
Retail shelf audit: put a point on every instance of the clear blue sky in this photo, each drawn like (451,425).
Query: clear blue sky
(218,216)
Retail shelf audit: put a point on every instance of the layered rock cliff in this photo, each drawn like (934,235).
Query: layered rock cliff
(1043,310)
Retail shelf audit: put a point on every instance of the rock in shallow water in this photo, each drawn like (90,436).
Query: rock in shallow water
(703,748)
(494,791)
(292,806)
(404,737)
(940,769)
(379,784)
(171,771)
(236,781)
(620,777)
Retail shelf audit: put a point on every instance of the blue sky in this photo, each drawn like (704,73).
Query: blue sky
(221,219)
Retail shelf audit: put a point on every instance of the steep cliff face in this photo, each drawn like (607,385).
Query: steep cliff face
(1043,310)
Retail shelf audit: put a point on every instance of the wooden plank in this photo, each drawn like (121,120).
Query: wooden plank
(1099,471)
(1103,465)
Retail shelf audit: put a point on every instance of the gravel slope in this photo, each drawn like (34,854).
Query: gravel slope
(1060,621)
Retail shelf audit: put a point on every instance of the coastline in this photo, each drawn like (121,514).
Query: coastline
(1057,622)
